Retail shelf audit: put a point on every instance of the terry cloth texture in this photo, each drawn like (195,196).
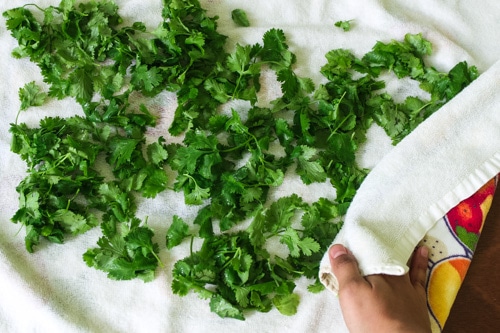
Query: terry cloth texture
(53,290)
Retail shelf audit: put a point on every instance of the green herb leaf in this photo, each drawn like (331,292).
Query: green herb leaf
(224,309)
(126,254)
(31,95)
(239,17)
(177,231)
(287,304)
(344,25)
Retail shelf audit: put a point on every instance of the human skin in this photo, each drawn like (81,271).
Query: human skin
(382,303)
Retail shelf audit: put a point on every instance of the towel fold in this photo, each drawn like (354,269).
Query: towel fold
(445,160)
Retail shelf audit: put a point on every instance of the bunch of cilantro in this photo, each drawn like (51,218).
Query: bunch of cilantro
(226,165)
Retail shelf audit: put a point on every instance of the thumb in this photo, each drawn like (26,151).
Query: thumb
(344,265)
(418,267)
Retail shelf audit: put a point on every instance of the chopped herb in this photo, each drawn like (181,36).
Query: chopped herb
(344,25)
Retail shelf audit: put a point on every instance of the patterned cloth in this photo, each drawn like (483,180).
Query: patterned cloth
(452,243)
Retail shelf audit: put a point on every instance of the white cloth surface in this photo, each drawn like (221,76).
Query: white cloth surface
(53,290)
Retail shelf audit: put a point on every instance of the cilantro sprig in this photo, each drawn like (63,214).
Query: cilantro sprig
(226,164)
(344,25)
(246,274)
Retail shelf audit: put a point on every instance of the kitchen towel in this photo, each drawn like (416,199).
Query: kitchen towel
(443,161)
(53,290)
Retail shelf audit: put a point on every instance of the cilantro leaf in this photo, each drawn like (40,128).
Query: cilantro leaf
(122,149)
(31,95)
(287,304)
(344,25)
(282,211)
(195,194)
(74,223)
(239,16)
(224,309)
(177,231)
(155,181)
(308,169)
(125,255)
(275,50)
(296,245)
(146,78)
(157,152)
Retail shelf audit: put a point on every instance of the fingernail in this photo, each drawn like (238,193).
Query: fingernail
(337,250)
(424,252)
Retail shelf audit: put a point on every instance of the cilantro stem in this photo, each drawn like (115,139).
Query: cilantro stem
(191,245)
(237,86)
(17,116)
(269,62)
(338,126)
(157,258)
(343,120)
(424,106)
(236,254)
(70,200)
(38,7)
(257,146)
(228,150)
(65,157)
(191,178)
(19,230)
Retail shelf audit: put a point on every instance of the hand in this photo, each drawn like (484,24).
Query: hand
(382,303)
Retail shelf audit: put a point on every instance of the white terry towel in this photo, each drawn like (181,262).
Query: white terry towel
(39,294)
(445,160)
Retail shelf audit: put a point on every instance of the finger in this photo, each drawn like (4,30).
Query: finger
(344,265)
(418,267)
